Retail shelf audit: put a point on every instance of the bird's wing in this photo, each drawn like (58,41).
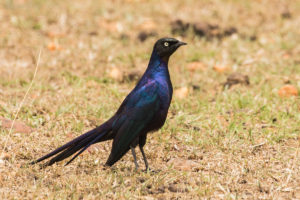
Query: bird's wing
(136,114)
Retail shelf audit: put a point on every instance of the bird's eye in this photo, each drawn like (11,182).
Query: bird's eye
(166,44)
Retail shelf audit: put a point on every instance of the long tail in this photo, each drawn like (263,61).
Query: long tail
(81,142)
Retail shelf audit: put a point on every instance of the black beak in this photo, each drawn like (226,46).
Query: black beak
(179,43)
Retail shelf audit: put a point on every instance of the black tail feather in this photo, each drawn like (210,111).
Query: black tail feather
(82,141)
(67,145)
(70,151)
(83,149)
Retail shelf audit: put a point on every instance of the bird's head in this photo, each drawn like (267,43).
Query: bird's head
(165,47)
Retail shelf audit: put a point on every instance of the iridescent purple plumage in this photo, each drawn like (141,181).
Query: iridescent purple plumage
(142,111)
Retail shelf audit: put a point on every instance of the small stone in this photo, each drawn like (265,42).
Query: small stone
(182,92)
(236,78)
(174,188)
(115,74)
(286,14)
(133,75)
(161,189)
(183,165)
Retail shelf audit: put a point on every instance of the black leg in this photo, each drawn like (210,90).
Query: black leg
(134,157)
(142,142)
(144,157)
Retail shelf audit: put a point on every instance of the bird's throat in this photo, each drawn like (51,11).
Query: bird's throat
(166,60)
(156,60)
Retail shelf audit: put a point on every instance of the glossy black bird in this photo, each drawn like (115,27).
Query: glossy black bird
(142,111)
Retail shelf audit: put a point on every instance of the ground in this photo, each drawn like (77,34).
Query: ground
(220,141)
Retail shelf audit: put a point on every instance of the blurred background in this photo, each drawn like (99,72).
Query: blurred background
(233,126)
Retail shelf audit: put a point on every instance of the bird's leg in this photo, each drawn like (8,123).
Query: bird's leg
(144,157)
(134,157)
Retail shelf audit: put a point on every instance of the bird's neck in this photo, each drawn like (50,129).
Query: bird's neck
(157,69)
(157,63)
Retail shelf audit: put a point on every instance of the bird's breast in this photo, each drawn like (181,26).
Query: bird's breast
(165,89)
(165,95)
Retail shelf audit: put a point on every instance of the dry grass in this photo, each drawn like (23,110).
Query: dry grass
(244,141)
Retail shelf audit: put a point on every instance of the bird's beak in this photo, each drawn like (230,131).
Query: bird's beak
(179,43)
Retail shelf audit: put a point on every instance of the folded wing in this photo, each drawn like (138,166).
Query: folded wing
(135,116)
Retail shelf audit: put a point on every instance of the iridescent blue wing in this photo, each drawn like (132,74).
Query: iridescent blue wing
(136,115)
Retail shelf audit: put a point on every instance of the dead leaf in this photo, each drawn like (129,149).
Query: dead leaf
(91,84)
(286,56)
(111,26)
(20,2)
(221,68)
(5,156)
(53,46)
(70,135)
(183,165)
(54,34)
(194,66)
(18,127)
(182,92)
(148,25)
(287,91)
(95,148)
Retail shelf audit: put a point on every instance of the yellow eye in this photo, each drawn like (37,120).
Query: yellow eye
(166,44)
